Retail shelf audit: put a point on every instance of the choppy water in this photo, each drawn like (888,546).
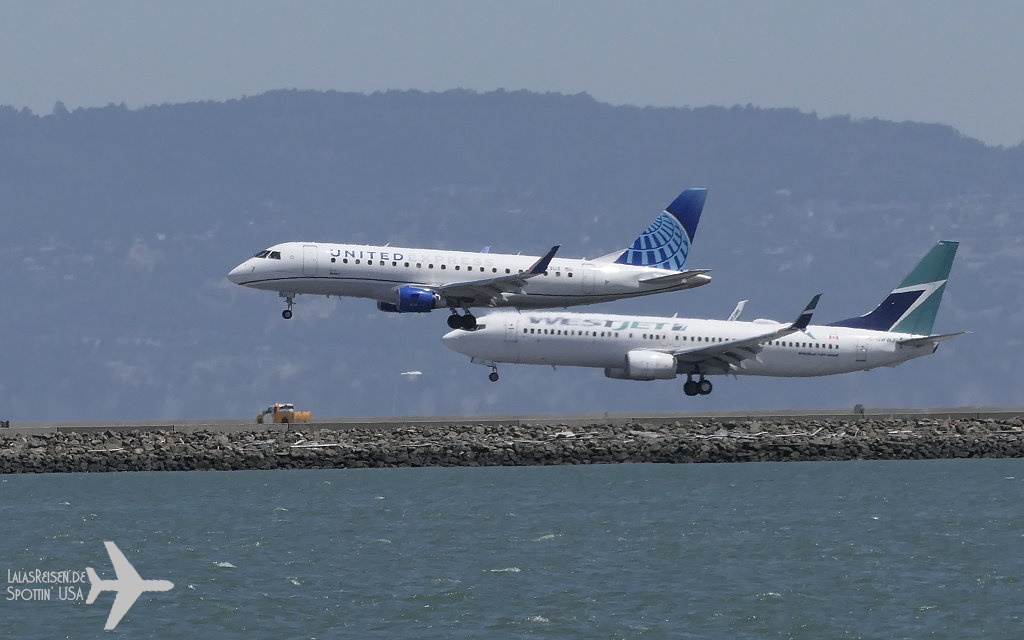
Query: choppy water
(791,550)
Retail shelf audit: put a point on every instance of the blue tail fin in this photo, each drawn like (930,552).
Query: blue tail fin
(666,242)
(911,307)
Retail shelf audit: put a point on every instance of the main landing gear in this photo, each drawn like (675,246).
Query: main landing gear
(465,322)
(693,387)
(289,299)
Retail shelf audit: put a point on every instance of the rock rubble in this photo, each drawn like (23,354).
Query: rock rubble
(675,442)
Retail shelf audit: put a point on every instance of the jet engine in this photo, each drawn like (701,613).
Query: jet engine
(645,365)
(413,300)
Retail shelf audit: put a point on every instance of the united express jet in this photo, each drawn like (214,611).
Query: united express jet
(420,280)
(651,348)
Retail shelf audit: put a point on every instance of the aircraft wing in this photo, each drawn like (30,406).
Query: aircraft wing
(486,290)
(123,568)
(732,353)
(122,603)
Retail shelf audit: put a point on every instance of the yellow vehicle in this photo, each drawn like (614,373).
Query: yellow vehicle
(284,413)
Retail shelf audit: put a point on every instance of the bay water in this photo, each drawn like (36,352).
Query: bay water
(886,549)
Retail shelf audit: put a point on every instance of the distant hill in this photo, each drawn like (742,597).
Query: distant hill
(120,225)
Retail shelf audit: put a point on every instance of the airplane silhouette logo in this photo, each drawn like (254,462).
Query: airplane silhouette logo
(129,585)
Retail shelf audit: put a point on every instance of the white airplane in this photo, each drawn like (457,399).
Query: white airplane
(650,348)
(420,280)
(129,585)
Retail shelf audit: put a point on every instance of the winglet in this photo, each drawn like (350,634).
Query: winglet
(541,265)
(738,310)
(804,318)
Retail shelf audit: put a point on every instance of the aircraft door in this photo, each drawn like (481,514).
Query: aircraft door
(309,259)
(512,331)
(588,278)
(862,350)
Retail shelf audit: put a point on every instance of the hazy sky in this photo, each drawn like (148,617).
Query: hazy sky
(946,61)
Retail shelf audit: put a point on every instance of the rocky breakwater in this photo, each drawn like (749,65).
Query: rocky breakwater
(672,442)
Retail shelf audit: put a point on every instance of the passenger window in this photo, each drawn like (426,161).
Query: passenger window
(508,271)
(382,263)
(345,260)
(357,260)
(430,266)
(494,270)
(419,265)
(558,273)
(569,274)
(334,259)
(444,266)
(524,330)
(456,267)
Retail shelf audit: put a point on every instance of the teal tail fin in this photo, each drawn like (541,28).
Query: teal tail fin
(911,307)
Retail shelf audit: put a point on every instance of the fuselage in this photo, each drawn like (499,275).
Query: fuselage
(602,341)
(375,272)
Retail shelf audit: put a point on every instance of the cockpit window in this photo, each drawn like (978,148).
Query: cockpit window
(262,254)
(275,255)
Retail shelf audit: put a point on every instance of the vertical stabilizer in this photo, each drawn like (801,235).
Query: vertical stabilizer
(666,242)
(911,307)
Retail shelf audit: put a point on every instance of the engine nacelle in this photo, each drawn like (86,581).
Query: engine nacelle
(413,300)
(645,365)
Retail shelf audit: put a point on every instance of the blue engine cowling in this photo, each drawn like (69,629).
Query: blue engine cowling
(412,300)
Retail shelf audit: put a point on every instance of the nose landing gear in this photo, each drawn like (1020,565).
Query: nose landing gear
(289,299)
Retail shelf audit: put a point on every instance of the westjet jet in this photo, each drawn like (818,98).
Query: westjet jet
(651,348)
(419,280)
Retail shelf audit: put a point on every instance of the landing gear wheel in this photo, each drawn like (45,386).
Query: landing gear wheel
(468,322)
(493,377)
(287,314)
(455,321)
(690,388)
(704,387)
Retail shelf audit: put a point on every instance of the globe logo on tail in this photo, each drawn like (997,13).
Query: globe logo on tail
(664,244)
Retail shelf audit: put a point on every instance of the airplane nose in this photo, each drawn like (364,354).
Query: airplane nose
(453,341)
(237,275)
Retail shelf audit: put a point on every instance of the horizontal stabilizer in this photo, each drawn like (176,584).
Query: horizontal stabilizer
(609,257)
(679,276)
(926,340)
